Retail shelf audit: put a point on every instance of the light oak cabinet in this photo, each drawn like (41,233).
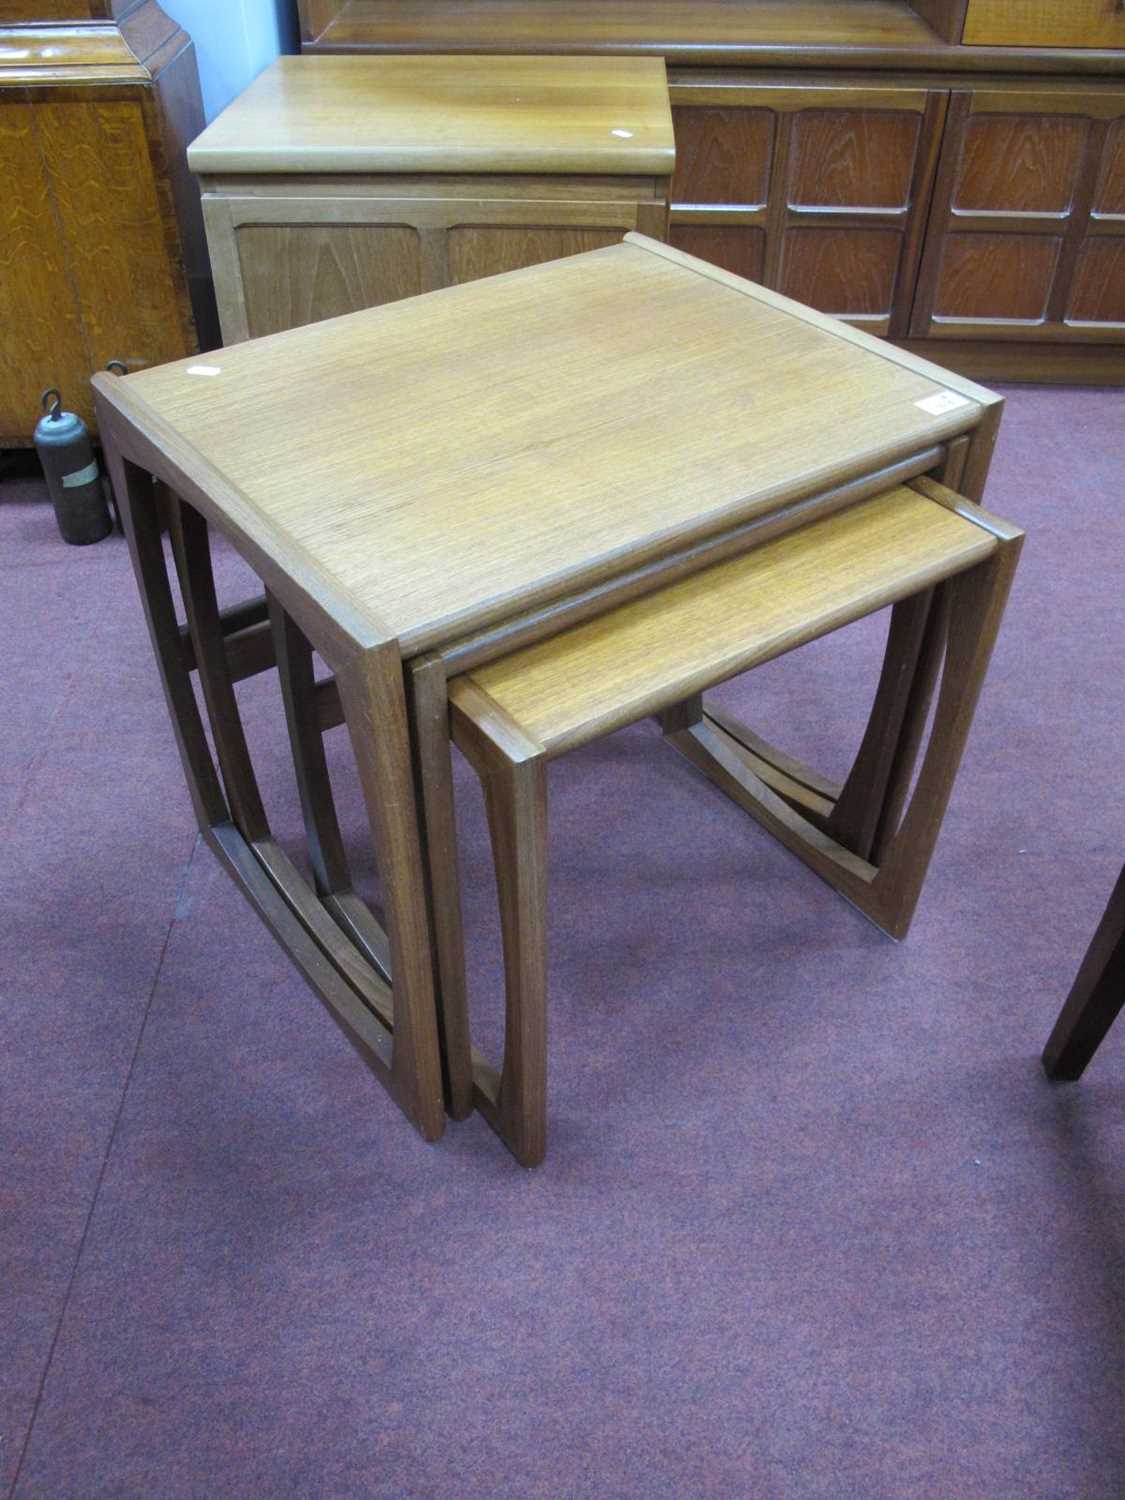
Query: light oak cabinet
(820,193)
(339,183)
(101,240)
(1027,234)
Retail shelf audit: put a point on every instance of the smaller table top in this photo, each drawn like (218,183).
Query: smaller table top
(714,625)
(451,460)
(600,115)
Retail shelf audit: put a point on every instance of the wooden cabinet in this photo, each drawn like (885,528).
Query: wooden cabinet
(338,183)
(101,244)
(820,193)
(1027,236)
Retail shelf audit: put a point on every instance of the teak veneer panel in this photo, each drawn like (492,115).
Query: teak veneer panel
(667,25)
(1045,23)
(727,619)
(491,446)
(819,190)
(446,114)
(1027,212)
(295,274)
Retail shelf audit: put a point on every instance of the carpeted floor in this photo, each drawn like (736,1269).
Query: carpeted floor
(813,1224)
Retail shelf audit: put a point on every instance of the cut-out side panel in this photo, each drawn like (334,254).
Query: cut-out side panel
(846,272)
(1021,163)
(1110,196)
(1098,295)
(739,249)
(300,273)
(996,277)
(852,158)
(722,155)
(487,250)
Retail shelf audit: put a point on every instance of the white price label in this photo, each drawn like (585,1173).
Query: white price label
(942,401)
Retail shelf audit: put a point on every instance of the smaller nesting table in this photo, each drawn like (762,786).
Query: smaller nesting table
(336,183)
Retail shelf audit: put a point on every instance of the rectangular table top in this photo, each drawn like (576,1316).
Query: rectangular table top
(445,462)
(577,115)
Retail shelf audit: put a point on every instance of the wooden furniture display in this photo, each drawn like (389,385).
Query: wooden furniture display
(824,149)
(427,486)
(1096,996)
(102,253)
(656,655)
(336,183)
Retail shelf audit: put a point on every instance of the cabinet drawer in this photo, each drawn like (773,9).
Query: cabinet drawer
(1045,23)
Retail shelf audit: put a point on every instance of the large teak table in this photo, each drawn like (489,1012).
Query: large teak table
(424,486)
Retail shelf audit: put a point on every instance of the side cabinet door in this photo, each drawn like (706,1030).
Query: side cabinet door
(281,260)
(1028,231)
(820,193)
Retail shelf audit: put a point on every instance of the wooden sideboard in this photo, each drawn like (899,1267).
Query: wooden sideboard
(947,173)
(102,254)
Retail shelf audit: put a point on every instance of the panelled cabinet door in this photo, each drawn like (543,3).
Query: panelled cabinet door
(282,259)
(820,193)
(1027,239)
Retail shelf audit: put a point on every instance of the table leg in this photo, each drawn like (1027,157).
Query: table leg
(371,690)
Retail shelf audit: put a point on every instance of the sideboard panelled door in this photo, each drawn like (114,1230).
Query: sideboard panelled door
(287,253)
(1027,239)
(820,193)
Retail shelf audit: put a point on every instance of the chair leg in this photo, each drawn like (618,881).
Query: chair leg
(1096,997)
(515,1103)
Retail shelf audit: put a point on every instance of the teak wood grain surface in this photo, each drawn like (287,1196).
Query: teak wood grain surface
(446,114)
(1045,23)
(669,25)
(489,447)
(723,621)
(1052,36)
